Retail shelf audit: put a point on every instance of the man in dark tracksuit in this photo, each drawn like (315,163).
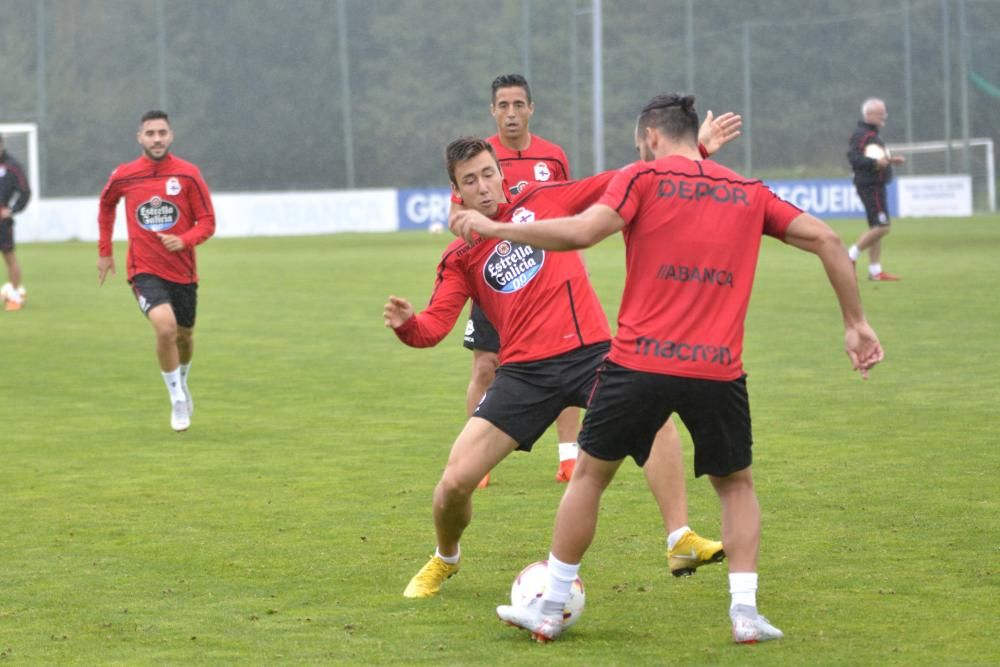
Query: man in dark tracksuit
(14,195)
(872,171)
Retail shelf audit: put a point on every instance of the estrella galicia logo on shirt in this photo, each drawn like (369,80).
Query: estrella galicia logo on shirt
(512,266)
(517,187)
(157,215)
(542,172)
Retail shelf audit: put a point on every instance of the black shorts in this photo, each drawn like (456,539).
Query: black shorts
(629,407)
(151,291)
(7,235)
(480,333)
(876,206)
(525,398)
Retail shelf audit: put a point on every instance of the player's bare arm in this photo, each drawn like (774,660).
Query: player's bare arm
(172,242)
(396,311)
(570,233)
(860,340)
(5,212)
(105,265)
(715,133)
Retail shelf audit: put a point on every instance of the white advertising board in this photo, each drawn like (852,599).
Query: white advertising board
(934,196)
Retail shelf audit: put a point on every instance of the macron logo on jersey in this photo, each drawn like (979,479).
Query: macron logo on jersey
(512,266)
(669,349)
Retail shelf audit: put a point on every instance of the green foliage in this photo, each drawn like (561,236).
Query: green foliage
(284,525)
(255,87)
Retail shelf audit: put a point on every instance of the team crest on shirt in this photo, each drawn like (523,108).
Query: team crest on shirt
(522,215)
(512,266)
(542,172)
(157,215)
(173,186)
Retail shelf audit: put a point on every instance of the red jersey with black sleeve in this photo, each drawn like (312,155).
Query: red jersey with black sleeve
(541,162)
(161,196)
(541,302)
(692,237)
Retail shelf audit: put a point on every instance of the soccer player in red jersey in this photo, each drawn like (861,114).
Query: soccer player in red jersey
(692,233)
(554,331)
(524,158)
(168,211)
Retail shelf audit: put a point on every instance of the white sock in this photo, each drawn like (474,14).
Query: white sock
(743,588)
(561,578)
(185,371)
(676,535)
(568,450)
(853,253)
(451,560)
(874,269)
(173,381)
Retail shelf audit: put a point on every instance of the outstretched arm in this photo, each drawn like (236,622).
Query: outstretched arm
(861,342)
(571,233)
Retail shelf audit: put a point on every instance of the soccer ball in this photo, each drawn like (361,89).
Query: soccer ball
(7,292)
(435,227)
(530,584)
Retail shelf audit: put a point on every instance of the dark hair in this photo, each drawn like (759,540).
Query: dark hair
(672,114)
(510,81)
(465,148)
(154,114)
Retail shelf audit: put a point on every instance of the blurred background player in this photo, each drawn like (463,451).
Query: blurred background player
(872,172)
(14,196)
(168,212)
(525,158)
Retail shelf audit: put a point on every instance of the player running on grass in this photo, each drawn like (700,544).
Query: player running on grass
(168,211)
(692,233)
(555,335)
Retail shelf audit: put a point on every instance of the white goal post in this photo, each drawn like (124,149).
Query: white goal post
(983,169)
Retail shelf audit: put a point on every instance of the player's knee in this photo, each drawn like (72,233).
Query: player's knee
(454,486)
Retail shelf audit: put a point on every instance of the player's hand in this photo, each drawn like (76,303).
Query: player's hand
(171,242)
(5,212)
(863,348)
(396,311)
(104,266)
(470,224)
(897,159)
(715,133)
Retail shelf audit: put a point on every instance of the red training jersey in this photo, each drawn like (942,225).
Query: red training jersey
(541,162)
(692,237)
(161,196)
(541,302)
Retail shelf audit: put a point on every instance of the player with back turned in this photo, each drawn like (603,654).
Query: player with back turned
(692,232)
(168,211)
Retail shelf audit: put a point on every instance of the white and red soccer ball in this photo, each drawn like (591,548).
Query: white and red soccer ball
(530,584)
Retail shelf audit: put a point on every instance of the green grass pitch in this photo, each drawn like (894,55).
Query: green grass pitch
(282,528)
